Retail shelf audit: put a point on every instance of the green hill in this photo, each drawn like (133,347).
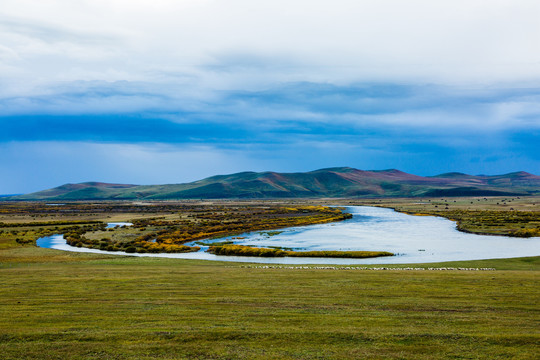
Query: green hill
(331,182)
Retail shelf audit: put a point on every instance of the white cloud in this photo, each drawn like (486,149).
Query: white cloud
(340,41)
(224,60)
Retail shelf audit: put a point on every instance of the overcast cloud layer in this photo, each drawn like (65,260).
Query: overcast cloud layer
(170,91)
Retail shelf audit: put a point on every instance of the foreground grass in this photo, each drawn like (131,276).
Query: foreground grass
(103,307)
(62,305)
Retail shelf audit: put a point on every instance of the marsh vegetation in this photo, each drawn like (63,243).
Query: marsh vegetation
(242,250)
(158,227)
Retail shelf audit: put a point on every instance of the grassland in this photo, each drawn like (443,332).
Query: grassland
(61,305)
(97,307)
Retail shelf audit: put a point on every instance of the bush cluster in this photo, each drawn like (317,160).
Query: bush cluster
(243,250)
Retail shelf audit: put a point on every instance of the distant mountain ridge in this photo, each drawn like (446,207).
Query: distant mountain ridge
(331,183)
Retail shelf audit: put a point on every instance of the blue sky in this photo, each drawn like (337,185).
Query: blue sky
(163,91)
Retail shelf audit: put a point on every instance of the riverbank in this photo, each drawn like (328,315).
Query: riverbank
(168,234)
(371,232)
(509,216)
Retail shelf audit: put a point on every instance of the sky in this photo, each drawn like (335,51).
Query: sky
(172,91)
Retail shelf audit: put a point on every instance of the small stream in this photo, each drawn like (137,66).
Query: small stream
(414,239)
(117,224)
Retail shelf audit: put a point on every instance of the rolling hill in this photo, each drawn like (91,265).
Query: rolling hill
(331,182)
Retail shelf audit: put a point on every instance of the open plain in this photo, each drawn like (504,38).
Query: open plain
(58,305)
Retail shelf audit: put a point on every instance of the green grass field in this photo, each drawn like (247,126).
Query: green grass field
(57,305)
(64,305)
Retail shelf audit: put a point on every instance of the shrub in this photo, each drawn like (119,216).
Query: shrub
(526,233)
(242,250)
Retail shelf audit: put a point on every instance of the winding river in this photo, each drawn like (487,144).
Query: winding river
(414,239)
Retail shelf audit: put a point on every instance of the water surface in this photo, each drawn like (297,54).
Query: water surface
(119,224)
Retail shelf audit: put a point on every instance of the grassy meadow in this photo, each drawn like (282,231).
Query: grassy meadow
(61,305)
